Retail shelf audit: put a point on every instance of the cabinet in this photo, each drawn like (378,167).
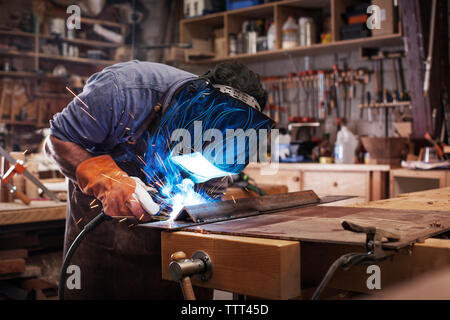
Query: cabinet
(367,182)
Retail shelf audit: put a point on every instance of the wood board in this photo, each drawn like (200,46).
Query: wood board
(36,211)
(322,224)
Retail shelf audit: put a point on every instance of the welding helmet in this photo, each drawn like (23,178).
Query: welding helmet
(214,122)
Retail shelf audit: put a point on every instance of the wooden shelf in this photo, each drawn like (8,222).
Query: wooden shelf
(15,33)
(26,54)
(327,48)
(27,74)
(76,59)
(231,21)
(19,123)
(92,43)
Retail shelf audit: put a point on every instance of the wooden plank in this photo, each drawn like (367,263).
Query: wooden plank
(430,200)
(12,266)
(13,254)
(406,265)
(322,224)
(37,211)
(261,268)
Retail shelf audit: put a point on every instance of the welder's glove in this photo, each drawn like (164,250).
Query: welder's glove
(119,193)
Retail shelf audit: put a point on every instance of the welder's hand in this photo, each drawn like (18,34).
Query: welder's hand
(102,178)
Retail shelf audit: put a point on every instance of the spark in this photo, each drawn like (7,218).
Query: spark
(131,225)
(88,114)
(77,97)
(25,152)
(131,115)
(232,197)
(140,218)
(79,220)
(92,202)
(142,160)
(122,220)
(94,206)
(116,180)
(160,160)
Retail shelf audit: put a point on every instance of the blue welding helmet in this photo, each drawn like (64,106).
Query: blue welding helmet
(221,124)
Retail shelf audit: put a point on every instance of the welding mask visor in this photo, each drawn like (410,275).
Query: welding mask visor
(219,123)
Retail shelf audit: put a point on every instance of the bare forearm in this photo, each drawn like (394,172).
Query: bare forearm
(67,155)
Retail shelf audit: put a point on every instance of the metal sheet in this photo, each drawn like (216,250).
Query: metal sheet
(239,208)
(322,224)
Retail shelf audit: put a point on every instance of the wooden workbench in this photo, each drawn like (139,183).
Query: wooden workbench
(282,269)
(37,211)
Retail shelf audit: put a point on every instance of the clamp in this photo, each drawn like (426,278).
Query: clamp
(374,239)
(374,252)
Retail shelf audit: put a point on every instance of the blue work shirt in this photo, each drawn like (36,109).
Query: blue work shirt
(117,101)
(113,107)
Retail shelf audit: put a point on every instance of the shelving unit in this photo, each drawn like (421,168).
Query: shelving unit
(231,21)
(34,59)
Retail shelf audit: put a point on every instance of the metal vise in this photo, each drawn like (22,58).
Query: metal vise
(181,269)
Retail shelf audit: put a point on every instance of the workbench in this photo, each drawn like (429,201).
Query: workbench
(265,267)
(12,213)
(367,182)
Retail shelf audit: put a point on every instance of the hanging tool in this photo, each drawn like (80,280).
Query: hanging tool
(18,167)
(429,61)
(321,94)
(337,89)
(396,93)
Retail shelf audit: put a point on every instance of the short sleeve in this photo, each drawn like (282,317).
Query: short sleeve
(90,120)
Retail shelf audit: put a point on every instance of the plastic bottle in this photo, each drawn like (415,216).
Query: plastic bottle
(290,34)
(345,146)
(271,37)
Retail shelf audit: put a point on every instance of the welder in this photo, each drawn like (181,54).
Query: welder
(116,133)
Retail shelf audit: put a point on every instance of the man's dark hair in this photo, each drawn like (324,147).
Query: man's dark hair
(240,77)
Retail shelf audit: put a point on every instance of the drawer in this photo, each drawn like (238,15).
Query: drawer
(337,183)
(289,178)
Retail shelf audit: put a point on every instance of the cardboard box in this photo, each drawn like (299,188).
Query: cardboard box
(219,33)
(220,48)
(174,54)
(387,18)
(202,45)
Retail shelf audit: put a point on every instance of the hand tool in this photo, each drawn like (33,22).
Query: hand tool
(404,95)
(181,270)
(337,90)
(369,101)
(246,183)
(429,61)
(374,252)
(396,94)
(321,94)
(436,145)
(18,167)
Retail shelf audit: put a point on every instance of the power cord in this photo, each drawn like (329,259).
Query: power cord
(94,223)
